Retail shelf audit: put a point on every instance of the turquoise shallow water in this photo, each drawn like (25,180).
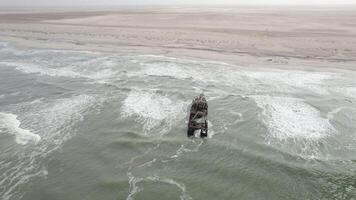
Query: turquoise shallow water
(93,125)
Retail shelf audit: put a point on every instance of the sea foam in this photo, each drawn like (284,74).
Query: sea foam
(87,70)
(152,109)
(55,121)
(258,80)
(289,80)
(288,117)
(29,68)
(10,123)
(349,92)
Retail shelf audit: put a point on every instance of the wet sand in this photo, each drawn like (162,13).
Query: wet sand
(246,35)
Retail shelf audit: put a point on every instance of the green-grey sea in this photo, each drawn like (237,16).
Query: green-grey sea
(85,125)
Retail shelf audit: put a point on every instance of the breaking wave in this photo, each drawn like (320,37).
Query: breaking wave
(55,123)
(289,117)
(43,71)
(10,123)
(99,75)
(153,110)
(294,125)
(237,77)
(287,80)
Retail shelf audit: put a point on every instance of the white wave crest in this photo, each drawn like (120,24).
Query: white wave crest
(55,121)
(291,77)
(29,68)
(98,74)
(236,76)
(292,118)
(9,122)
(153,109)
(282,80)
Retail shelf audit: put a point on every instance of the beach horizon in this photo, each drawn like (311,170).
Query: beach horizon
(240,35)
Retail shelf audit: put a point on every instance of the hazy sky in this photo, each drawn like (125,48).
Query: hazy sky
(165,2)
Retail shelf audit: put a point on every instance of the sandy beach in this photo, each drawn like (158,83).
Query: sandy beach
(243,35)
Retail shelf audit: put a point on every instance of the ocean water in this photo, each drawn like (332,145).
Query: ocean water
(93,125)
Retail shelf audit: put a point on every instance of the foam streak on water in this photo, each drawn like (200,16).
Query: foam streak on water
(10,123)
(184,195)
(54,123)
(29,68)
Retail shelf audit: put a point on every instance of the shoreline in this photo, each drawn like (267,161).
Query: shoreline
(249,37)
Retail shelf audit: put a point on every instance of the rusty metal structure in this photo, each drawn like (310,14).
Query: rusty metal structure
(198,117)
